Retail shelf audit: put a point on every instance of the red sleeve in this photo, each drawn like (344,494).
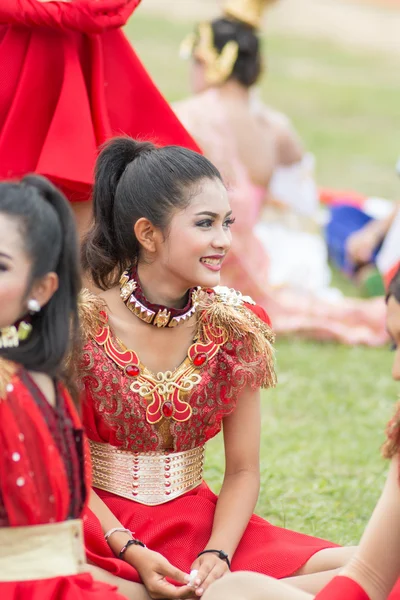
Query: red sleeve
(342,587)
(85,16)
(259,312)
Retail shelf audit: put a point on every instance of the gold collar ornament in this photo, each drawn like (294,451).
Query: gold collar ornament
(154,314)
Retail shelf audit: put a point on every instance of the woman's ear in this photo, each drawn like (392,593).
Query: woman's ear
(146,234)
(44,289)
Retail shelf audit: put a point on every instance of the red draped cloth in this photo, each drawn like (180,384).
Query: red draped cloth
(69,80)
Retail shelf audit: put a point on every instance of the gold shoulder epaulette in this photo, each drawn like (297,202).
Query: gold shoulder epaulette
(7,370)
(224,312)
(231,297)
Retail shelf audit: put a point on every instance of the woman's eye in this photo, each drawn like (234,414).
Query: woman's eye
(229,222)
(3,267)
(393,347)
(204,223)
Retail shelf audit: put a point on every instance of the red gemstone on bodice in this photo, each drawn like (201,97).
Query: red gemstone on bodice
(132,371)
(199,359)
(167,409)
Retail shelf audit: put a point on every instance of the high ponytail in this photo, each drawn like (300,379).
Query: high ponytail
(134,180)
(50,240)
(100,251)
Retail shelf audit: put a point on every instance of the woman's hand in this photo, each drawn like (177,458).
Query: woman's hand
(210,568)
(361,245)
(153,569)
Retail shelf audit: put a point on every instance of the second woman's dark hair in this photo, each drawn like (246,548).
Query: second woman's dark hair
(48,233)
(248,65)
(134,180)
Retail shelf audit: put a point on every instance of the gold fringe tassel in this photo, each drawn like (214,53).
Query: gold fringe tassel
(236,322)
(90,318)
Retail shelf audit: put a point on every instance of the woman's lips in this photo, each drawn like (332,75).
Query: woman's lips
(213,263)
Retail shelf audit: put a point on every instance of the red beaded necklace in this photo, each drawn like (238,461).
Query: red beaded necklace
(153,314)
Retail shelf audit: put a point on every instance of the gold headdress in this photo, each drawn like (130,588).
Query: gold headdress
(219,65)
(246,11)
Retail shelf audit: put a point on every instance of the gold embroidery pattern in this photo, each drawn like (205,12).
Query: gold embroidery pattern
(7,370)
(164,390)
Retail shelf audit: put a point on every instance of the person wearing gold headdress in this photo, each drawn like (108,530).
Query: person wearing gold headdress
(265,168)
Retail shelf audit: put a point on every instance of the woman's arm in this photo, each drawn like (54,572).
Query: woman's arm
(85,16)
(376,564)
(362,243)
(240,488)
(152,567)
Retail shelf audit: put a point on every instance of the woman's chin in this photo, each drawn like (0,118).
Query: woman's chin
(210,280)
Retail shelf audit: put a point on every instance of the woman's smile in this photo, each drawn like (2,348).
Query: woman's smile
(214,262)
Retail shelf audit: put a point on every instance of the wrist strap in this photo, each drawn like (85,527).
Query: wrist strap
(132,542)
(220,553)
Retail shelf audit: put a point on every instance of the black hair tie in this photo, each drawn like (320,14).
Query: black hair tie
(220,553)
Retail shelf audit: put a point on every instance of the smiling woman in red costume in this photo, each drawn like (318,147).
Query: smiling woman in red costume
(69,80)
(375,567)
(43,478)
(168,362)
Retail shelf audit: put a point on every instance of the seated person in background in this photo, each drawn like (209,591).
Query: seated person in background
(280,262)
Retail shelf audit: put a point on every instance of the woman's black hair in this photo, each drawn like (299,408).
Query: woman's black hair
(394,287)
(248,65)
(134,180)
(47,228)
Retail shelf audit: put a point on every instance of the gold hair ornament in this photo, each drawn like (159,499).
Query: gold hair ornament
(249,12)
(218,66)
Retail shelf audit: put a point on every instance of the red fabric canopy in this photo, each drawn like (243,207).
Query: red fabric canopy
(69,80)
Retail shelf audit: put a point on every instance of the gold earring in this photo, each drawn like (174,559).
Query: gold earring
(9,337)
(24,331)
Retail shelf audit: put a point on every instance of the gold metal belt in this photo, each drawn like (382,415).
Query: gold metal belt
(41,551)
(149,478)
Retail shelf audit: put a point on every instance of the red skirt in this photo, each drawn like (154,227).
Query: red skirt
(180,529)
(77,587)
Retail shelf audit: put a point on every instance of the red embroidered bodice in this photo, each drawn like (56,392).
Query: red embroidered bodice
(126,405)
(42,475)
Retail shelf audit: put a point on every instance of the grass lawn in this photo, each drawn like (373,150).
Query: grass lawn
(323,425)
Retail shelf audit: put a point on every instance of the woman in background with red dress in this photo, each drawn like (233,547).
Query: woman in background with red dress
(43,480)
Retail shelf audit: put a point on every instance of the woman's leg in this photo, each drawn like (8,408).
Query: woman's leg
(131,591)
(252,586)
(321,568)
(327,560)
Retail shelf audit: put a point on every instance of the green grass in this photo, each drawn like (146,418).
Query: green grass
(323,425)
